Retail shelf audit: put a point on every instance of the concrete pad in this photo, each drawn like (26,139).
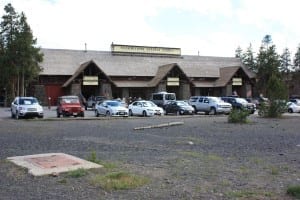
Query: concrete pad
(51,163)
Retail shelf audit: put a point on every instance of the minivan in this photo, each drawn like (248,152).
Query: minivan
(162,98)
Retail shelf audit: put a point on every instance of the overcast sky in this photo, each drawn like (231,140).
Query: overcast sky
(207,27)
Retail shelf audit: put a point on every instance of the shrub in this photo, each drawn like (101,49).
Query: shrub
(238,116)
(294,191)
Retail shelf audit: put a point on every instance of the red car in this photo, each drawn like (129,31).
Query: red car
(69,106)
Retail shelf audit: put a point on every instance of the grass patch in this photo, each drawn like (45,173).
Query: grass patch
(119,181)
(294,191)
(192,154)
(63,181)
(77,173)
(93,158)
(248,194)
(274,170)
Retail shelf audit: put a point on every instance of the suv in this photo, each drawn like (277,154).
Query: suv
(209,105)
(69,106)
(26,107)
(240,103)
(92,101)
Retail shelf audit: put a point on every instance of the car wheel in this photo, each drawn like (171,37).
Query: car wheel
(144,113)
(107,114)
(58,114)
(96,113)
(213,111)
(17,116)
(12,115)
(82,114)
(195,109)
(290,110)
(130,113)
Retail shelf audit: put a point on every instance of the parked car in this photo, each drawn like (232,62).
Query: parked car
(179,108)
(293,107)
(144,108)
(210,105)
(26,107)
(240,103)
(111,108)
(162,98)
(69,106)
(296,101)
(93,100)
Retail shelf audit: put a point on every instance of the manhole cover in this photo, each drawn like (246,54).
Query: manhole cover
(43,164)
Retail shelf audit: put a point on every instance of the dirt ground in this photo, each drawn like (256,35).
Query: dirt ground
(203,158)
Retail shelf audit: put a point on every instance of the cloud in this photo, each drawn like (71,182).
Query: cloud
(216,27)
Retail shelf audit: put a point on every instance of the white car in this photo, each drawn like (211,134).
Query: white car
(144,108)
(111,108)
(293,108)
(26,107)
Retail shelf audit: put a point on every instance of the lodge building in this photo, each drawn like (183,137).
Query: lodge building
(137,71)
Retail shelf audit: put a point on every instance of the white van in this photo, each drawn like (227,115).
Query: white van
(162,98)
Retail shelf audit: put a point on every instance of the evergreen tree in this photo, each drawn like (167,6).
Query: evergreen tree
(285,62)
(20,57)
(248,59)
(296,66)
(238,52)
(268,63)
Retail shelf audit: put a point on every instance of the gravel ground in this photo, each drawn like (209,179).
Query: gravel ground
(205,158)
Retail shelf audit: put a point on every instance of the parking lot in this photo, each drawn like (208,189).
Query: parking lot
(204,157)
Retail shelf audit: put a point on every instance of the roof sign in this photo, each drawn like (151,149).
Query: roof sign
(90,80)
(116,48)
(173,81)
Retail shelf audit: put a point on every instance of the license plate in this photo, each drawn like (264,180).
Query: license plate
(74,113)
(122,113)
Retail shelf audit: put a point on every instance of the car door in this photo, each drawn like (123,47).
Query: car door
(137,108)
(205,104)
(102,108)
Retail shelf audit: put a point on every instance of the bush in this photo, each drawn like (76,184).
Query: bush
(273,109)
(294,191)
(238,116)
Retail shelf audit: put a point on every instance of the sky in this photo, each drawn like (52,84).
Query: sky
(198,27)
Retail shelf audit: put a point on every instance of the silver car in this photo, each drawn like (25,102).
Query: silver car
(26,107)
(111,108)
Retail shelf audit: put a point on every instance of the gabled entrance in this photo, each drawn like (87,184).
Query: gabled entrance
(89,80)
(171,78)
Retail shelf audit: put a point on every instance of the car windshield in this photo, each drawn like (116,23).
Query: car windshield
(152,104)
(147,104)
(182,103)
(28,101)
(113,103)
(217,100)
(241,100)
(70,100)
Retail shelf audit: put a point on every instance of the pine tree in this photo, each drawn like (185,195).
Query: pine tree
(285,62)
(296,66)
(238,52)
(268,63)
(248,59)
(20,59)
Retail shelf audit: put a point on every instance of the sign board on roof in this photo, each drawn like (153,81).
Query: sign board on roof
(116,48)
(90,80)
